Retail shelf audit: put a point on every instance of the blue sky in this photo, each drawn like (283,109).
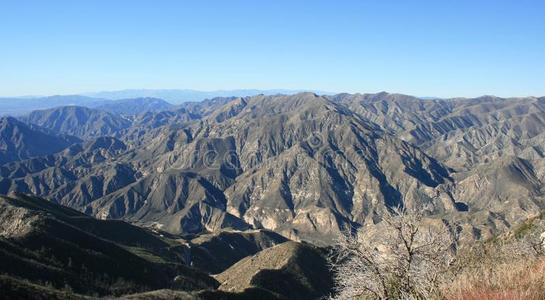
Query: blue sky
(424,48)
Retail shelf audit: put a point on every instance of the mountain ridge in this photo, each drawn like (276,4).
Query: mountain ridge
(305,166)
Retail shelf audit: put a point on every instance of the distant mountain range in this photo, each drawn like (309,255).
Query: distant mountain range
(152,100)
(177,96)
(18,106)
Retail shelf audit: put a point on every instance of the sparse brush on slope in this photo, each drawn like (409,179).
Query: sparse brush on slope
(511,266)
(55,246)
(402,266)
(405,260)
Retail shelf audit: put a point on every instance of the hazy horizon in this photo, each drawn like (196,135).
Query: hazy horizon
(96,94)
(461,49)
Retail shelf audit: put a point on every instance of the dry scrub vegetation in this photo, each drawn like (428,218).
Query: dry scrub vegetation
(414,258)
(508,267)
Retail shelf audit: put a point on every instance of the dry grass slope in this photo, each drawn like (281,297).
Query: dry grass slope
(509,267)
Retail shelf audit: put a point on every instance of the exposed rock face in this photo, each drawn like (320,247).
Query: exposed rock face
(494,146)
(301,158)
(459,132)
(176,202)
(15,221)
(304,166)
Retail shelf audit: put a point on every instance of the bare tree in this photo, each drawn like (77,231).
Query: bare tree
(403,260)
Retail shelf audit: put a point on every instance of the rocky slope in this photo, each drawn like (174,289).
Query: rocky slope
(19,141)
(48,251)
(221,185)
(46,243)
(216,252)
(82,122)
(76,176)
(305,166)
(494,146)
(290,270)
(301,165)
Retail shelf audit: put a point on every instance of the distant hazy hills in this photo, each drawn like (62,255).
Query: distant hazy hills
(126,101)
(132,106)
(18,106)
(177,96)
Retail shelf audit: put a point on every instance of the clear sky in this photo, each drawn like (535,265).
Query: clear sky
(425,48)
